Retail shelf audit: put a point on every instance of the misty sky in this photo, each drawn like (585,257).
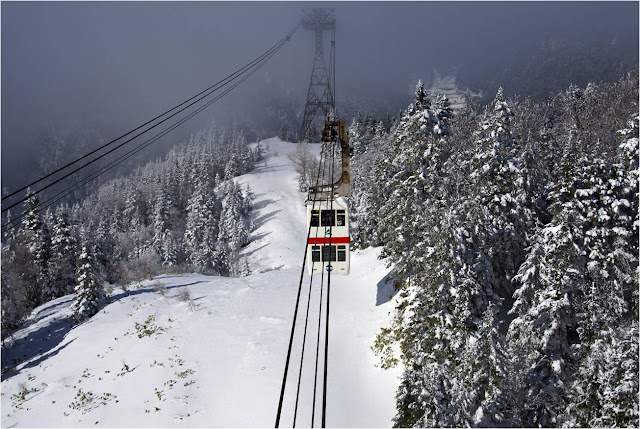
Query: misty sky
(113,65)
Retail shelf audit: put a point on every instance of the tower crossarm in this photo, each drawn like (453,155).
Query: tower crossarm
(319,19)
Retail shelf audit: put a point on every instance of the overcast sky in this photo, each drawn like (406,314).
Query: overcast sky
(113,65)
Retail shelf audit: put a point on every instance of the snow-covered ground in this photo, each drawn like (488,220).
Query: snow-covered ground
(195,350)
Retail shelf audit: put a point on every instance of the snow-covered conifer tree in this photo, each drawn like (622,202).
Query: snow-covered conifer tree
(10,311)
(358,138)
(546,326)
(131,215)
(446,311)
(497,199)
(63,249)
(364,189)
(607,310)
(578,287)
(247,201)
(233,226)
(444,113)
(232,169)
(478,378)
(410,189)
(89,294)
(107,251)
(201,232)
(160,220)
(284,132)
(34,236)
(170,250)
(42,258)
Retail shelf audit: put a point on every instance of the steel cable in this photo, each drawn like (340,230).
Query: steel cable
(62,194)
(326,321)
(208,92)
(315,378)
(295,312)
(304,335)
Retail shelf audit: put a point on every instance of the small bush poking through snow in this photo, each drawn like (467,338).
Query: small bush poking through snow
(148,328)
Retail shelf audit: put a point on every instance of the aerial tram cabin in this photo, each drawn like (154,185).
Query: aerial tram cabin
(328,243)
(328,212)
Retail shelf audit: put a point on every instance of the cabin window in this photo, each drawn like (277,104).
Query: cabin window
(315,253)
(342,253)
(341,218)
(328,253)
(328,218)
(315,217)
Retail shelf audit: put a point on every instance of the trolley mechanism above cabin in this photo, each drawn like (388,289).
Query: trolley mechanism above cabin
(328,211)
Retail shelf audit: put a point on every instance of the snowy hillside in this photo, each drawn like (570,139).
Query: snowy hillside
(446,85)
(195,350)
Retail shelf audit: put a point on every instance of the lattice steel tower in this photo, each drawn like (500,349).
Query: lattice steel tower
(320,94)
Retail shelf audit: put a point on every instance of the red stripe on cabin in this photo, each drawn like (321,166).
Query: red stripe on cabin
(325,240)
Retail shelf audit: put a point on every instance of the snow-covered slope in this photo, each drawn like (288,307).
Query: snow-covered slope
(446,85)
(194,350)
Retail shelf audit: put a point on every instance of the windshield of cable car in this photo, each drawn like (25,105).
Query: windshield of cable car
(328,218)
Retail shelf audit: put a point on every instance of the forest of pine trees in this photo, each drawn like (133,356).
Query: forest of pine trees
(183,213)
(513,235)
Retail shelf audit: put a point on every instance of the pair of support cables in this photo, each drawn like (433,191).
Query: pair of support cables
(326,156)
(196,103)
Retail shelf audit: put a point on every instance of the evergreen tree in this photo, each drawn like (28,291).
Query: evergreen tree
(608,306)
(63,249)
(605,390)
(480,375)
(232,169)
(497,200)
(627,201)
(170,250)
(89,294)
(107,252)
(358,138)
(234,230)
(364,190)
(410,194)
(35,239)
(445,315)
(9,237)
(284,132)
(131,215)
(42,259)
(247,202)
(195,227)
(10,311)
(201,232)
(444,113)
(546,327)
(160,220)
